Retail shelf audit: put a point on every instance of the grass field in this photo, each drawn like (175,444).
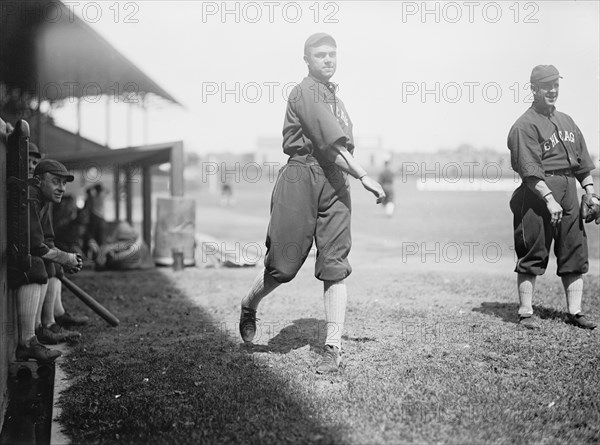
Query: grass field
(432,353)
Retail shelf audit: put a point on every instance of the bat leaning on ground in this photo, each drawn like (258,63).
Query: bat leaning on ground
(87,299)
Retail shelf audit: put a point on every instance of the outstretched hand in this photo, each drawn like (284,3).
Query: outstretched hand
(374,187)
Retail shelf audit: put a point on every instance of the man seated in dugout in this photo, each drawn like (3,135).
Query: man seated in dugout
(30,287)
(51,299)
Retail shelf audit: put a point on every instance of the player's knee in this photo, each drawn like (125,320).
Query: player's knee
(282,275)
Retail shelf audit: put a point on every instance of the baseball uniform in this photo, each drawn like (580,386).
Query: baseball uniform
(311,197)
(547,145)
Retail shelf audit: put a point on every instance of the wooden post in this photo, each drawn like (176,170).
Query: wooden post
(128,194)
(177,169)
(117,183)
(147,205)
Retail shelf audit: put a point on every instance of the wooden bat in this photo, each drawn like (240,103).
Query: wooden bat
(87,299)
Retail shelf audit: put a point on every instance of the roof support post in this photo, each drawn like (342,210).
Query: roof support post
(177,169)
(147,205)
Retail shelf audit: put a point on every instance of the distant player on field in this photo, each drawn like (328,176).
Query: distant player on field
(311,197)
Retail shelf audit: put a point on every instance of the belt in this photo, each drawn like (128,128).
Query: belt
(560,172)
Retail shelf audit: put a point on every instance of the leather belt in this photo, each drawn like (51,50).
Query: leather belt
(560,172)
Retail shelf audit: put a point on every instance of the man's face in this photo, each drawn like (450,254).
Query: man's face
(546,93)
(33,162)
(53,187)
(322,61)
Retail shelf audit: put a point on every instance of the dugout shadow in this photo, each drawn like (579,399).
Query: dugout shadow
(181,380)
(508,312)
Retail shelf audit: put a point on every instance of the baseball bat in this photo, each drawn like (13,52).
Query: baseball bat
(87,299)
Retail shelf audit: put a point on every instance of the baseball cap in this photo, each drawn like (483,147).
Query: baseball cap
(544,73)
(54,167)
(34,151)
(317,38)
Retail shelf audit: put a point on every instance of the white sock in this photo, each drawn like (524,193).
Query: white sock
(38,314)
(573,284)
(262,286)
(335,298)
(526,285)
(59,310)
(28,297)
(52,294)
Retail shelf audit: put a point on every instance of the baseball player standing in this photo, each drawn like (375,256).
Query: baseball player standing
(549,153)
(311,197)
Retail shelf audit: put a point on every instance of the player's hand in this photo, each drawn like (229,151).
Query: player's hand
(556,211)
(374,187)
(74,263)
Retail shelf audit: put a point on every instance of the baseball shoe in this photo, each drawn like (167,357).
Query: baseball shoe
(581,321)
(330,362)
(247,324)
(65,320)
(528,323)
(36,351)
(54,334)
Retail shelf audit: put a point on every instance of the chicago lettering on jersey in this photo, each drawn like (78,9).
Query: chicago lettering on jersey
(567,136)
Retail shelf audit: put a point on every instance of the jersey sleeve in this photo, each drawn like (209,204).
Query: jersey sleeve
(586,164)
(525,153)
(317,119)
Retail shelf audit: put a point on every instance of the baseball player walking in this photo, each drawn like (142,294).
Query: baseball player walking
(549,153)
(311,197)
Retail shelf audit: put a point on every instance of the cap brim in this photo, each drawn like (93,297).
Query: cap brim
(548,78)
(34,154)
(69,178)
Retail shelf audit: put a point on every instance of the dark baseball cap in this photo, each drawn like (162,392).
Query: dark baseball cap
(544,73)
(54,167)
(318,38)
(34,151)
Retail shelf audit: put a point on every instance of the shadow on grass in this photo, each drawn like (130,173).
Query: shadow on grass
(172,374)
(508,312)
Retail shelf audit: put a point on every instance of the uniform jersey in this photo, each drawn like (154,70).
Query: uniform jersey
(315,119)
(311,197)
(541,142)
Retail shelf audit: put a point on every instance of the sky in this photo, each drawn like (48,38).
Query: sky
(417,76)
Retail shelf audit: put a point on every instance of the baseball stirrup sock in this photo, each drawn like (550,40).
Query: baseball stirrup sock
(573,285)
(526,286)
(335,298)
(28,297)
(38,314)
(52,293)
(262,286)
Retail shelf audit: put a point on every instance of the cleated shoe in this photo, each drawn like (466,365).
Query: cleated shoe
(528,323)
(331,360)
(65,320)
(54,334)
(247,324)
(581,321)
(37,352)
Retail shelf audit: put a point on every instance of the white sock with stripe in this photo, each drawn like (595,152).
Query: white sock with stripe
(38,314)
(335,297)
(573,284)
(526,286)
(28,297)
(262,286)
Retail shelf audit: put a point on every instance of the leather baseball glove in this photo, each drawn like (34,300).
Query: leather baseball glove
(590,208)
